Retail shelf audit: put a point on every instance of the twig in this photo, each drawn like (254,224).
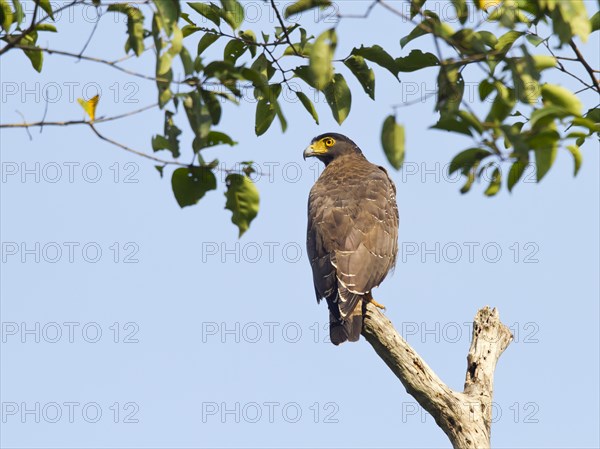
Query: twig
(283,27)
(91,34)
(365,15)
(26,127)
(76,122)
(98,60)
(131,150)
(589,69)
(561,67)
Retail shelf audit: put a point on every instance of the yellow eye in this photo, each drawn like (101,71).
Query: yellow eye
(329,142)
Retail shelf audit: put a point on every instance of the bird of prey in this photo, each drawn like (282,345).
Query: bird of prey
(352,235)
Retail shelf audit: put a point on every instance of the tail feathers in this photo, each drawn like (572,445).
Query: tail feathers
(346,329)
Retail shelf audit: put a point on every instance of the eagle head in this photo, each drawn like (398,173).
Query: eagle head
(330,146)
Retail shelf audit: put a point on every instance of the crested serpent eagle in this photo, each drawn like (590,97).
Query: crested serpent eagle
(352,235)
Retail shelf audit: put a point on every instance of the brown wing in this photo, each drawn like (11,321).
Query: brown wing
(352,237)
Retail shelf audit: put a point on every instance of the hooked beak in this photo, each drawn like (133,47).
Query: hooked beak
(309,152)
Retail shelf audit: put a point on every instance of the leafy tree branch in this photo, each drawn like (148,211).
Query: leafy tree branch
(520,119)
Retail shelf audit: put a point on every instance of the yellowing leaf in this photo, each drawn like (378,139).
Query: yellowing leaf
(89,106)
(487,4)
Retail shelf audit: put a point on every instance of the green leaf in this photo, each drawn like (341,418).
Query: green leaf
(135,26)
(418,31)
(160,169)
(431,23)
(217,138)
(164,65)
(35,56)
(19,15)
(191,184)
(534,39)
(516,171)
(466,159)
(543,62)
(250,37)
(503,104)
(321,58)
(233,13)
(416,60)
(242,200)
(338,97)
(488,38)
(471,120)
(506,41)
(470,179)
(303,72)
(264,67)
(415,7)
(495,183)
(577,157)
(562,97)
(544,158)
(485,89)
(47,7)
(206,41)
(462,11)
(197,114)
(363,73)
(595,22)
(6,15)
(266,109)
(308,105)
(171,141)
(547,114)
(176,41)
(451,87)
(393,141)
(186,61)
(452,123)
(543,138)
(570,19)
(233,50)
(379,56)
(471,42)
(211,12)
(160,143)
(304,5)
(45,27)
(213,104)
(169,14)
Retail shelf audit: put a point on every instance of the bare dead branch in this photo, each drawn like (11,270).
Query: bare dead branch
(465,416)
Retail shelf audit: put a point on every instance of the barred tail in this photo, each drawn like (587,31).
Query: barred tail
(345,329)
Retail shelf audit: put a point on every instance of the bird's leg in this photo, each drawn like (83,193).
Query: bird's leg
(375,303)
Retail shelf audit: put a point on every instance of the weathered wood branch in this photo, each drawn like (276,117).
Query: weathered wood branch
(465,416)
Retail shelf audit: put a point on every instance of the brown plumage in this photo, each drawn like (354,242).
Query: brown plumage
(352,235)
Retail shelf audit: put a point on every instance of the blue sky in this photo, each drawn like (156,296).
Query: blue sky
(181,335)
